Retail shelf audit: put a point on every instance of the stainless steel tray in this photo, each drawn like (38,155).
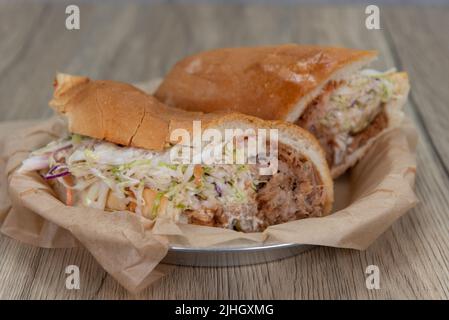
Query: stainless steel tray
(232,256)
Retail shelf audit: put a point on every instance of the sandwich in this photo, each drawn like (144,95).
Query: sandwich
(326,90)
(118,156)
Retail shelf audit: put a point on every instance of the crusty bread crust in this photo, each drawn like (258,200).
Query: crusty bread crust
(125,115)
(116,112)
(266,82)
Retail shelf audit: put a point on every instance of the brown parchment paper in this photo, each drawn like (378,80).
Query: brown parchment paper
(369,199)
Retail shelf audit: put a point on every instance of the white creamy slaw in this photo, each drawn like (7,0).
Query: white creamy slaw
(98,169)
(354,105)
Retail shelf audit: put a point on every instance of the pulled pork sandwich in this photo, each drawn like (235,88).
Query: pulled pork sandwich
(117,157)
(322,89)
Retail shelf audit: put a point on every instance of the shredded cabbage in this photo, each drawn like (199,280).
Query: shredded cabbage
(100,169)
(355,104)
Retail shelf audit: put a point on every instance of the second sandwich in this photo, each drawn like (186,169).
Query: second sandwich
(322,89)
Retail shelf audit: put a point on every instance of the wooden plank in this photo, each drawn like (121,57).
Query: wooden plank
(143,42)
(424,48)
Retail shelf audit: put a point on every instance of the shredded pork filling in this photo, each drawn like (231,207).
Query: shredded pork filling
(295,192)
(349,112)
(102,175)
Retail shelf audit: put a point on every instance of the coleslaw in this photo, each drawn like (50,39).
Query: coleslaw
(111,177)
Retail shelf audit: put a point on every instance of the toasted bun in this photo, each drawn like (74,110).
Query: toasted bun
(395,116)
(275,82)
(116,112)
(125,115)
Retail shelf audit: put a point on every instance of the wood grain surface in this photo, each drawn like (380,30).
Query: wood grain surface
(136,42)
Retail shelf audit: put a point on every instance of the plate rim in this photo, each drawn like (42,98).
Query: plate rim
(256,248)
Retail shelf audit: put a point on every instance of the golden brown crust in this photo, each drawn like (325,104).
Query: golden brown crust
(267,82)
(117,112)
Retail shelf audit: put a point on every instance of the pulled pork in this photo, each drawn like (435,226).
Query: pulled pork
(294,192)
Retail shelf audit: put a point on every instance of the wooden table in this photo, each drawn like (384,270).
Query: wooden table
(137,42)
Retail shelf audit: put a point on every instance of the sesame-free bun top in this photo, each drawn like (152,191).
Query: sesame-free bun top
(122,114)
(272,82)
(118,112)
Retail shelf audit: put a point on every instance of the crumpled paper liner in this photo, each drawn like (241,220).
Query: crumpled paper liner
(377,192)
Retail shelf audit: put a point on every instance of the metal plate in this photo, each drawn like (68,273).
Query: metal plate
(232,256)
